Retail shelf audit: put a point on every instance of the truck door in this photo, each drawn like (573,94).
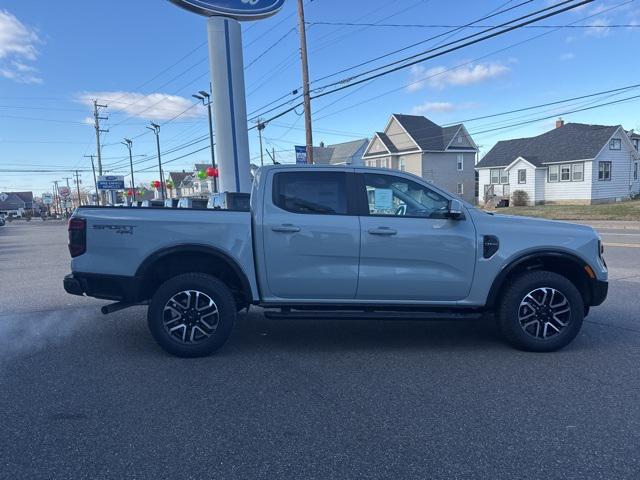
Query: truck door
(311,236)
(410,250)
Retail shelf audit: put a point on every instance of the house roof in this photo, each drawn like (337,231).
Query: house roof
(178,177)
(384,138)
(573,141)
(340,152)
(17,200)
(428,135)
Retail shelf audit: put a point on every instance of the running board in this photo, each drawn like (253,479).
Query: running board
(376,315)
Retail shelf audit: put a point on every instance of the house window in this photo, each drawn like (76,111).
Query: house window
(522,176)
(565,173)
(554,173)
(636,142)
(635,171)
(499,175)
(460,189)
(604,171)
(615,144)
(460,139)
(402,164)
(460,163)
(577,172)
(378,163)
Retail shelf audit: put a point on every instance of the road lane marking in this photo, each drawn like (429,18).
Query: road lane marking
(623,245)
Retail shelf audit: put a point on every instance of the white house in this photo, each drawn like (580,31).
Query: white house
(573,164)
(413,143)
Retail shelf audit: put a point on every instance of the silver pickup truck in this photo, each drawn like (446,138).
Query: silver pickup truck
(327,242)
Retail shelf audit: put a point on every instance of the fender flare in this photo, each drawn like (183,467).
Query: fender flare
(498,282)
(201,249)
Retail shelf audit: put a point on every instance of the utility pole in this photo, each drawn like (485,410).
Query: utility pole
(205,98)
(77,175)
(305,81)
(261,126)
(155,128)
(97,118)
(56,199)
(66,210)
(95,183)
(129,144)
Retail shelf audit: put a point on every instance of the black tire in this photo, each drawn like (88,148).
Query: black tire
(510,311)
(210,286)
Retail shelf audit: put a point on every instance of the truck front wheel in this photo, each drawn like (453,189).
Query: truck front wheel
(540,311)
(192,315)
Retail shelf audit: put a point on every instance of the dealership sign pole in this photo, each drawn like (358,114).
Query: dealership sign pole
(227,78)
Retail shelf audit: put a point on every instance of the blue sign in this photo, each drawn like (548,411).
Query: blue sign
(111,182)
(301,155)
(238,9)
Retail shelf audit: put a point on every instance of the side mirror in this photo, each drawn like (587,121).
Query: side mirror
(456,210)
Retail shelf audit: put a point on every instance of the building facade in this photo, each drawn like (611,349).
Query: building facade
(444,155)
(573,164)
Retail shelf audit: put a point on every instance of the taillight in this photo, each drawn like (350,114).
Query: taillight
(77,236)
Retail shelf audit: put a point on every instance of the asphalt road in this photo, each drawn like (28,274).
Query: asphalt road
(88,396)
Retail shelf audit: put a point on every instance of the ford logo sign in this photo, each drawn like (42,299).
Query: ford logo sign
(238,9)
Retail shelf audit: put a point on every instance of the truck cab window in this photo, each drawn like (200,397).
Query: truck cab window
(311,193)
(397,196)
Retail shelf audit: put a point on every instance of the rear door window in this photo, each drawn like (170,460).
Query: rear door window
(311,192)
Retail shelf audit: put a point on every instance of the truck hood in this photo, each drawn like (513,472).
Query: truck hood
(528,224)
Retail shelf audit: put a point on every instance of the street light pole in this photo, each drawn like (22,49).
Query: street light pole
(129,144)
(155,128)
(205,98)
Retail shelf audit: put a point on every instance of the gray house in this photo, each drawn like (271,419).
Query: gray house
(574,164)
(348,153)
(444,155)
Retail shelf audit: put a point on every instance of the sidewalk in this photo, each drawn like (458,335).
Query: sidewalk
(610,224)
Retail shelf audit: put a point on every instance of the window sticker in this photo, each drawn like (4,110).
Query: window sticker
(383,198)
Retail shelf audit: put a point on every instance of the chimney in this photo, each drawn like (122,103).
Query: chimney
(559,123)
(321,144)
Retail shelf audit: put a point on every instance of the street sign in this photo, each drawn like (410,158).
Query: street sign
(3,197)
(301,155)
(237,9)
(64,192)
(111,182)
(47,198)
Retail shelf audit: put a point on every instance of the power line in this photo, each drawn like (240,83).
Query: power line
(414,25)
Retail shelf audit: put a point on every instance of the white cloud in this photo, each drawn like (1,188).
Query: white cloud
(433,107)
(440,77)
(600,28)
(565,57)
(156,106)
(18,45)
(441,107)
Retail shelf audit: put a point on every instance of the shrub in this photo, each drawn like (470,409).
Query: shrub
(520,198)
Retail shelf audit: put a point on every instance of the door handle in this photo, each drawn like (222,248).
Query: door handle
(385,231)
(287,228)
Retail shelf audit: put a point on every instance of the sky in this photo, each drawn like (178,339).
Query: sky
(145,59)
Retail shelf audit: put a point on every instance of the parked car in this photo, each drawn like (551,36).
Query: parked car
(197,203)
(152,204)
(316,244)
(2,221)
(171,203)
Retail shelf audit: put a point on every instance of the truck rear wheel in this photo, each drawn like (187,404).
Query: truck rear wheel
(192,315)
(540,311)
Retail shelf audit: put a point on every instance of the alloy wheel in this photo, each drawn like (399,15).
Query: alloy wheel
(191,317)
(544,312)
